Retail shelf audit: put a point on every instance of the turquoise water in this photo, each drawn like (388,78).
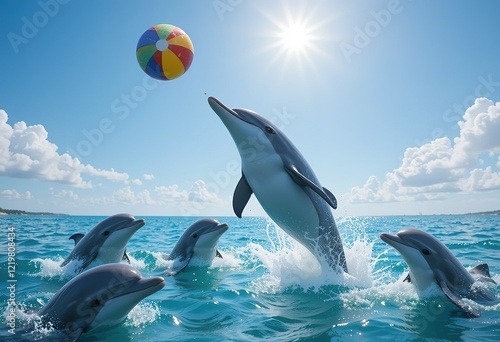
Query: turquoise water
(266,286)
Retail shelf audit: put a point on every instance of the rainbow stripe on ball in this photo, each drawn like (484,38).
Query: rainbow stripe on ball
(165,52)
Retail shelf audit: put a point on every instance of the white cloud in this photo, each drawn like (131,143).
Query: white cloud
(127,196)
(147,176)
(26,152)
(13,194)
(442,166)
(199,193)
(67,195)
(136,181)
(171,193)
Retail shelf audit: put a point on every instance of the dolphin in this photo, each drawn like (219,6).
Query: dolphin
(431,262)
(105,243)
(101,296)
(283,183)
(198,243)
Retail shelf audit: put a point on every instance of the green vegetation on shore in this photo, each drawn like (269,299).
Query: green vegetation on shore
(22,212)
(494,212)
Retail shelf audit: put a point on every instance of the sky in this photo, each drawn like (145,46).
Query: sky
(394,104)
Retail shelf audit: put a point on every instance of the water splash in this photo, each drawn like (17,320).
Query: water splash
(289,264)
(142,314)
(50,268)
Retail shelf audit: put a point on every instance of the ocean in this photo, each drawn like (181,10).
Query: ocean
(266,286)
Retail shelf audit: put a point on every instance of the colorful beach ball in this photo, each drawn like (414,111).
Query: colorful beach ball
(165,52)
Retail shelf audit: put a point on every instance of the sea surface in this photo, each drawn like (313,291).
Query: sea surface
(266,286)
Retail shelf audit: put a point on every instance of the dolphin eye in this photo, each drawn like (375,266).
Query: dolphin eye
(426,251)
(195,236)
(106,233)
(95,303)
(269,130)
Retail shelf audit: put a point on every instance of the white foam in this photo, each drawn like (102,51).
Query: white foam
(50,268)
(289,264)
(143,314)
(137,263)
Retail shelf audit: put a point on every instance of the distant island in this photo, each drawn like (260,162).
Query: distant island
(22,212)
(494,212)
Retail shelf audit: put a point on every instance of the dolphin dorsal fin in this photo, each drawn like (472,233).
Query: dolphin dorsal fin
(407,278)
(217,254)
(77,237)
(302,180)
(241,195)
(125,257)
(483,273)
(482,269)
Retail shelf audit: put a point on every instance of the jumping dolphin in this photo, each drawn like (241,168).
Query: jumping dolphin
(199,243)
(283,183)
(105,243)
(430,262)
(101,296)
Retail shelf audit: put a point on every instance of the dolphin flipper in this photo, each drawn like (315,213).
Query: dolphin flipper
(73,335)
(299,178)
(458,301)
(332,197)
(241,195)
(91,256)
(179,265)
(77,237)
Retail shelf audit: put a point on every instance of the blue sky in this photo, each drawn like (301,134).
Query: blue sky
(393,103)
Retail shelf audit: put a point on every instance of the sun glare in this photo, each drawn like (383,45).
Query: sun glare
(297,36)
(294,37)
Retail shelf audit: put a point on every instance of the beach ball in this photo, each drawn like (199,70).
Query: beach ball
(165,52)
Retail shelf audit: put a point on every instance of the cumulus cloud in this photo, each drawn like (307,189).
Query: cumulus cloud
(171,193)
(26,152)
(13,194)
(197,193)
(200,193)
(67,195)
(148,176)
(444,166)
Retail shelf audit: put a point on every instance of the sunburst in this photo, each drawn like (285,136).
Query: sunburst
(295,39)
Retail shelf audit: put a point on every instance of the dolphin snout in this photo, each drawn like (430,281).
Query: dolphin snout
(217,227)
(135,224)
(392,240)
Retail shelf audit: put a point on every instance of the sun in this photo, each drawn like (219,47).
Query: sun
(294,37)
